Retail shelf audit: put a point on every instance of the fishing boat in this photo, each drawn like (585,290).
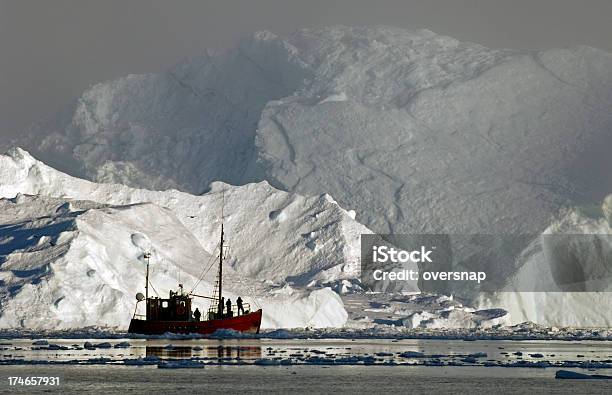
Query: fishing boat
(174,314)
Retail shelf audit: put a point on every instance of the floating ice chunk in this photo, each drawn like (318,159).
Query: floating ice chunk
(412,354)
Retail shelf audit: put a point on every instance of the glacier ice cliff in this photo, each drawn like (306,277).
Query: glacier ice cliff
(416,131)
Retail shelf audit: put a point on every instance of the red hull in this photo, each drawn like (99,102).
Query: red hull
(248,323)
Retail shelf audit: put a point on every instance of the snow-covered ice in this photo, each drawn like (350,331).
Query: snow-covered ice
(418,311)
(286,249)
(76,263)
(273,235)
(582,234)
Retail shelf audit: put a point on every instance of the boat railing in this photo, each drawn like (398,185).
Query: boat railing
(212,311)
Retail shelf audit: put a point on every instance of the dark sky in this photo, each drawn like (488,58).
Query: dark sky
(52,50)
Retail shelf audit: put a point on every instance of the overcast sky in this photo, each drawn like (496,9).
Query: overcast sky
(52,50)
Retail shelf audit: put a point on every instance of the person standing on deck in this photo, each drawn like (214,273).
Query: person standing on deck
(221,303)
(229,307)
(239,306)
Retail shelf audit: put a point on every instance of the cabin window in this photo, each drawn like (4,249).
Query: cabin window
(165,304)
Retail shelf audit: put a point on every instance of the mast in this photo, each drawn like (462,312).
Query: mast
(221,270)
(220,274)
(147,256)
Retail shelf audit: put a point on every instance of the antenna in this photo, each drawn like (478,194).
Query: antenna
(222,206)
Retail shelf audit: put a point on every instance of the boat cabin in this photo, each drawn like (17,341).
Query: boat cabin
(175,308)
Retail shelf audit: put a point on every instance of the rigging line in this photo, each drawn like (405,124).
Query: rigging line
(201,278)
(251,288)
(154,290)
(204,272)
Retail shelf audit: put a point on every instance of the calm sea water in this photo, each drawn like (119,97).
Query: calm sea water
(103,371)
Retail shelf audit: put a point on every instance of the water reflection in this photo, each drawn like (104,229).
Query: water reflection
(215,352)
(169,352)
